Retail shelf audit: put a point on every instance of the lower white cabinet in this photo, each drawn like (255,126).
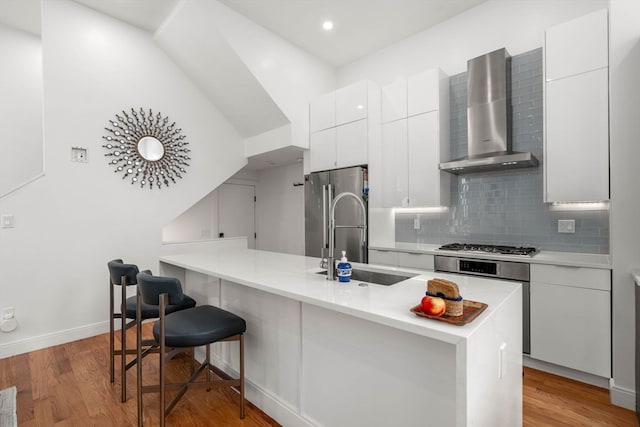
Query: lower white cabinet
(571,317)
(391,258)
(382,257)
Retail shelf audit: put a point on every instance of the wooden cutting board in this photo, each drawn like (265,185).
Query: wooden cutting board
(471,310)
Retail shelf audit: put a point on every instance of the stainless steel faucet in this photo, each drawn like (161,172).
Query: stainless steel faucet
(331,261)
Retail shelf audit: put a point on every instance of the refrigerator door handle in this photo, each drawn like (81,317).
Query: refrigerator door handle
(324,218)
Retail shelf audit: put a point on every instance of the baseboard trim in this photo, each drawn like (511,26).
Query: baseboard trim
(623,397)
(562,371)
(48,340)
(269,404)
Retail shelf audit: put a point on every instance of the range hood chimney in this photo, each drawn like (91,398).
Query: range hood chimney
(489,118)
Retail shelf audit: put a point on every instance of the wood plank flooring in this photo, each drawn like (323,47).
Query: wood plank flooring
(68,385)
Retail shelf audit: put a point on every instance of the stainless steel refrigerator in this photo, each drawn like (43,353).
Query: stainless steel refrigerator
(319,189)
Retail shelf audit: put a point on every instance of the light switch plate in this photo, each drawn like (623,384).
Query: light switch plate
(6,220)
(566,226)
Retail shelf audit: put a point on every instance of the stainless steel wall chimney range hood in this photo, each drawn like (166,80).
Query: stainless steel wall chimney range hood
(489,118)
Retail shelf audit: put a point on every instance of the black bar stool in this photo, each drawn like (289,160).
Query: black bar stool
(124,275)
(182,331)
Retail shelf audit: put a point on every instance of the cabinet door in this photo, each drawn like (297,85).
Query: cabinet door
(351,103)
(571,327)
(322,150)
(351,144)
(577,46)
(394,101)
(416,260)
(381,257)
(423,159)
(394,172)
(423,93)
(322,112)
(577,138)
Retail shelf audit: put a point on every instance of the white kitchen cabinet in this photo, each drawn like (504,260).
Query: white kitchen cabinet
(394,101)
(383,257)
(391,258)
(344,124)
(577,46)
(395,178)
(322,112)
(352,144)
(571,317)
(426,91)
(323,154)
(416,260)
(577,138)
(411,149)
(351,103)
(415,139)
(576,143)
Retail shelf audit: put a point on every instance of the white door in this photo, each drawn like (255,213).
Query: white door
(236,212)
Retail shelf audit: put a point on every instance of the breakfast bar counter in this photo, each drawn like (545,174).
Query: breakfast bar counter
(326,353)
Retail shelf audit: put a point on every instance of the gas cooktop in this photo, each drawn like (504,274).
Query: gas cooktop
(489,249)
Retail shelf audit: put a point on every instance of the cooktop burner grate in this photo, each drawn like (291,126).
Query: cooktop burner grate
(491,249)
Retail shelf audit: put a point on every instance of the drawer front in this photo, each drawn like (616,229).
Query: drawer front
(416,260)
(580,277)
(381,257)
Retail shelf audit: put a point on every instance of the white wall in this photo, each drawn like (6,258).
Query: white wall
(280,209)
(196,223)
(20,108)
(624,19)
(81,215)
(291,76)
(517,25)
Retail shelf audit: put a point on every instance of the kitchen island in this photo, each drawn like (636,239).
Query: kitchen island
(327,353)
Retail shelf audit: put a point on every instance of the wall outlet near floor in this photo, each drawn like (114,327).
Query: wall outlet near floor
(566,226)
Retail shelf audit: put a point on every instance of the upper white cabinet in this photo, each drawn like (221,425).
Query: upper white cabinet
(415,139)
(322,112)
(351,103)
(342,124)
(576,145)
(577,46)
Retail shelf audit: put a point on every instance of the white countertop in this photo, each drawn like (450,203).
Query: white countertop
(573,259)
(294,277)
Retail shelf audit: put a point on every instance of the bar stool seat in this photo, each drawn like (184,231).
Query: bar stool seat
(199,326)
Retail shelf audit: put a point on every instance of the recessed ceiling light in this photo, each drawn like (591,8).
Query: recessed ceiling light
(327,25)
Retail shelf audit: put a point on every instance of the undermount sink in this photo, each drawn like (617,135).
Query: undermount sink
(386,279)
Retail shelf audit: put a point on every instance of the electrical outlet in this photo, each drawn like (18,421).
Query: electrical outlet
(416,223)
(79,154)
(566,226)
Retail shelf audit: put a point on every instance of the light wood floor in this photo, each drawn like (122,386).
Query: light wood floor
(68,385)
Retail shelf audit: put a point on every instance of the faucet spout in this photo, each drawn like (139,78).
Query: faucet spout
(331,262)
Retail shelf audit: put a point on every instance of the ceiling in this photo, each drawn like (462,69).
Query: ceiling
(360,26)
(23,15)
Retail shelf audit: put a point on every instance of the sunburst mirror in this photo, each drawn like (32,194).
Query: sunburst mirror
(146,148)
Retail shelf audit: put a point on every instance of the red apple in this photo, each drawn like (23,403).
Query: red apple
(433,306)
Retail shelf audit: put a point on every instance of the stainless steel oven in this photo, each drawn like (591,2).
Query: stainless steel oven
(502,270)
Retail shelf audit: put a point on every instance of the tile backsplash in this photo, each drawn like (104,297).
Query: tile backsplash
(506,207)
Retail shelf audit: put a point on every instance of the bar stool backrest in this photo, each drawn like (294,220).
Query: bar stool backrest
(117,269)
(151,287)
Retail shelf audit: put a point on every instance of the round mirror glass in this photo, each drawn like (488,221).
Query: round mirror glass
(150,148)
